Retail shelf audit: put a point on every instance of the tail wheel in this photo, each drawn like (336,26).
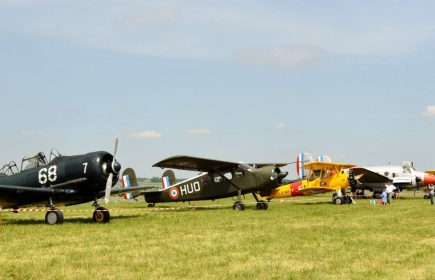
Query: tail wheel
(54,216)
(101,215)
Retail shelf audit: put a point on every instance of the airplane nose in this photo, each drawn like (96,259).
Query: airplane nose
(116,166)
(429,179)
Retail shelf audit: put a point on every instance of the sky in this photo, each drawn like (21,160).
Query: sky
(251,81)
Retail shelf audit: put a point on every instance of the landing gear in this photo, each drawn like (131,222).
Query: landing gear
(101,215)
(262,205)
(338,201)
(341,200)
(54,216)
(150,205)
(239,206)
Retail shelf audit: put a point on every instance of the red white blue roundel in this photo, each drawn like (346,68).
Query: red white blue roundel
(173,193)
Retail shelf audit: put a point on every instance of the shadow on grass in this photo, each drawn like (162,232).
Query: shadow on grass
(75,220)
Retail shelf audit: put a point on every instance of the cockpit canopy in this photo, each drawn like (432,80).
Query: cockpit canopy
(29,162)
(9,169)
(34,161)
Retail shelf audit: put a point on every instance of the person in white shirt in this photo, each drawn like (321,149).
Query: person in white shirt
(389,189)
(431,192)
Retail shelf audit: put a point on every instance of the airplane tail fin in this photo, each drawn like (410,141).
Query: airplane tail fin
(128,180)
(168,179)
(323,158)
(301,160)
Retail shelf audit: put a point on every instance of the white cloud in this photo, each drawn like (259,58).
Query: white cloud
(199,131)
(145,134)
(429,112)
(294,55)
(39,134)
(278,126)
(145,17)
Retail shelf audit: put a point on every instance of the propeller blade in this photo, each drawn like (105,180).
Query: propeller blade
(116,146)
(108,187)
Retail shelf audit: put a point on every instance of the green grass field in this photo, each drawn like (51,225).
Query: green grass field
(298,238)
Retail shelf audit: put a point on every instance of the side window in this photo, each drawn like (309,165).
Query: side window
(206,180)
(217,178)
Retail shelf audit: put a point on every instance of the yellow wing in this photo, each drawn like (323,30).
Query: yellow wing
(430,172)
(322,165)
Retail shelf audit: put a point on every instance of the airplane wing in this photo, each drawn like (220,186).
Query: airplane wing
(260,165)
(5,189)
(321,165)
(430,172)
(18,195)
(369,176)
(202,164)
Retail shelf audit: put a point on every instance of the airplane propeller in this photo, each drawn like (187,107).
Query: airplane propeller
(114,167)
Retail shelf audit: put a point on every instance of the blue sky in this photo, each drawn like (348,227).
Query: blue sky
(250,81)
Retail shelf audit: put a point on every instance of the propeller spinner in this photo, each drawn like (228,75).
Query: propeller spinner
(114,167)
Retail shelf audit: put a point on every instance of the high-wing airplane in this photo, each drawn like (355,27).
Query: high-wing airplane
(217,179)
(317,177)
(406,177)
(62,180)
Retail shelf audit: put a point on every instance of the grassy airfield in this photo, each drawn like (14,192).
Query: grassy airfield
(299,238)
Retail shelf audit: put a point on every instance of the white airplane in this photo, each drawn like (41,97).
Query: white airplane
(406,177)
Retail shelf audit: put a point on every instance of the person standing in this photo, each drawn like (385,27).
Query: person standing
(389,189)
(431,193)
(384,197)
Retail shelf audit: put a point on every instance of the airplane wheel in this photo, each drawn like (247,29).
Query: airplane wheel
(347,200)
(262,205)
(54,216)
(150,205)
(238,205)
(102,216)
(265,205)
(338,201)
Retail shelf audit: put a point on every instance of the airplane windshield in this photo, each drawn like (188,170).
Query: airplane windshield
(245,166)
(314,174)
(33,161)
(54,153)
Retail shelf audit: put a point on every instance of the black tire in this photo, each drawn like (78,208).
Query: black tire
(54,216)
(265,205)
(239,206)
(150,205)
(259,206)
(101,215)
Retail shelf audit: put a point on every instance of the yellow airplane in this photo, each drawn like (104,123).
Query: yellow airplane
(321,177)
